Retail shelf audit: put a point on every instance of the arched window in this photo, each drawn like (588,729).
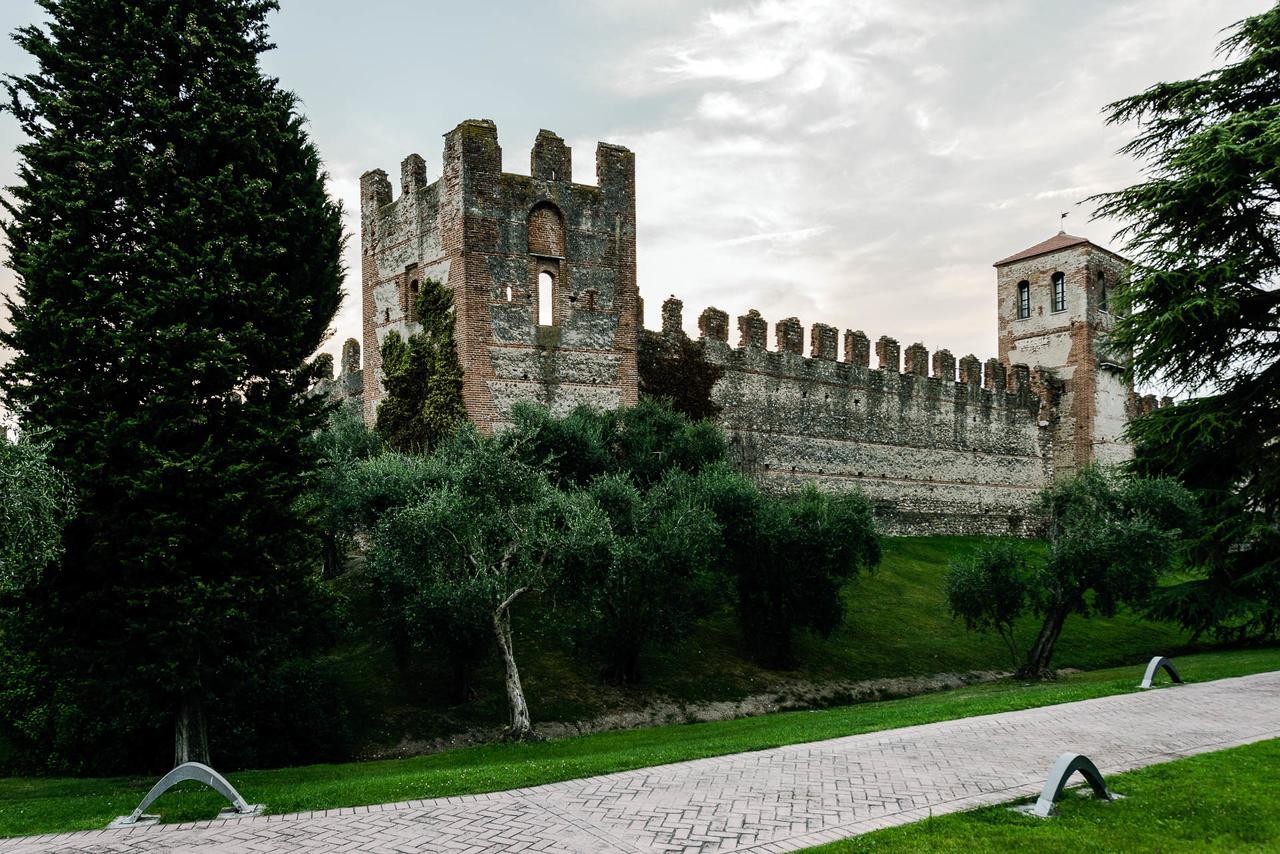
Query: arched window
(1059,292)
(546,298)
(1024,300)
(1102,291)
(546,231)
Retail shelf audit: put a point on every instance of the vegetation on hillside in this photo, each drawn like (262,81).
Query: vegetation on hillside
(1111,539)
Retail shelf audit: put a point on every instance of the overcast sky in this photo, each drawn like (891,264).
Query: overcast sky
(855,162)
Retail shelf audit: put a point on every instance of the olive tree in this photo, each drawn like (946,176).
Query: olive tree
(644,570)
(1111,539)
(990,589)
(455,558)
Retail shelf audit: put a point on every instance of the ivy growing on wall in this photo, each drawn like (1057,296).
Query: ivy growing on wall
(675,368)
(422,377)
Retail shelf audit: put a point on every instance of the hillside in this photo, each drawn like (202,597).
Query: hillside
(897,625)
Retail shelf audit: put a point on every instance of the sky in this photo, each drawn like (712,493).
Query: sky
(854,162)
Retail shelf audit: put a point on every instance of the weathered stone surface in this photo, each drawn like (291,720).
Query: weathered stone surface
(1092,406)
(490,236)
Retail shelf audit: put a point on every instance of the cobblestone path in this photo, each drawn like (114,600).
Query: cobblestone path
(771,800)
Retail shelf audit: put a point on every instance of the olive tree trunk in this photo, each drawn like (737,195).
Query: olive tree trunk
(190,735)
(1041,653)
(521,728)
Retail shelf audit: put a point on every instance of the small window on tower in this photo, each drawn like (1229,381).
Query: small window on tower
(546,298)
(1102,291)
(1059,292)
(413,301)
(1024,300)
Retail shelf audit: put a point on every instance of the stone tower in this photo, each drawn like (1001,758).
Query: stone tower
(1054,315)
(542,270)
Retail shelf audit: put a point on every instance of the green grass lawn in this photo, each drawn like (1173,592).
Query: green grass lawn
(1225,801)
(897,625)
(30,805)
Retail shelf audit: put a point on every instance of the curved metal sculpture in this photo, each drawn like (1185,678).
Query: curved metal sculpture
(1067,764)
(1154,667)
(198,773)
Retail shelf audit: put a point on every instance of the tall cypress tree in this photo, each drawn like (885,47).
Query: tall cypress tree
(178,261)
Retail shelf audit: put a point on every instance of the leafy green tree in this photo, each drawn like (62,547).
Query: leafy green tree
(422,377)
(454,560)
(990,590)
(644,442)
(343,443)
(1201,312)
(1111,539)
(790,556)
(35,503)
(645,571)
(178,261)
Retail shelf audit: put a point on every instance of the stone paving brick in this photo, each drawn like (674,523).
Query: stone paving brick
(775,800)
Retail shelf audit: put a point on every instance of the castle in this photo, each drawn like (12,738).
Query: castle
(543,272)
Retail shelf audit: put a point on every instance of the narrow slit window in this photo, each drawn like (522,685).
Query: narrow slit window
(1102,291)
(1024,300)
(1059,292)
(413,301)
(546,293)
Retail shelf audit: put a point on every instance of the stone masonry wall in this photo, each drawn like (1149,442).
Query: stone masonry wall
(936,455)
(1083,386)
(490,236)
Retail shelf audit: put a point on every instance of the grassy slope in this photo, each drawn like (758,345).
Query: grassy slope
(897,625)
(44,805)
(1214,802)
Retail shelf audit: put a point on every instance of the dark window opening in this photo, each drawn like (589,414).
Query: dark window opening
(1102,291)
(1059,292)
(413,301)
(1024,300)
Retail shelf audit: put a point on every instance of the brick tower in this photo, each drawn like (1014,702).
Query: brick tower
(1054,315)
(542,270)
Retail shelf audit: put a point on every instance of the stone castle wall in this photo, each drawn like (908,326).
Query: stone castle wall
(941,445)
(936,453)
(490,235)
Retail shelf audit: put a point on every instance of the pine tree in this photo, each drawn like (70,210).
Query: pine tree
(422,378)
(1202,313)
(178,261)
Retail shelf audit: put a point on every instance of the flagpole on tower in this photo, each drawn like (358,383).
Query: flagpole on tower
(1062,222)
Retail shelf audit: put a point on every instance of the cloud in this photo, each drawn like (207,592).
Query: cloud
(862,163)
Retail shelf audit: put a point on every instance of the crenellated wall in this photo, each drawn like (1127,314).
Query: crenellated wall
(493,238)
(943,445)
(937,453)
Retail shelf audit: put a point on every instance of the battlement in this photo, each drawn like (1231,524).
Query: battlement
(542,270)
(1003,387)
(472,148)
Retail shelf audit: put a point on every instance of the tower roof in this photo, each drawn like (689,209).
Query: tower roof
(1061,240)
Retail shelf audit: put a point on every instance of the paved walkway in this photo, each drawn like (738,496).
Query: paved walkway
(771,800)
